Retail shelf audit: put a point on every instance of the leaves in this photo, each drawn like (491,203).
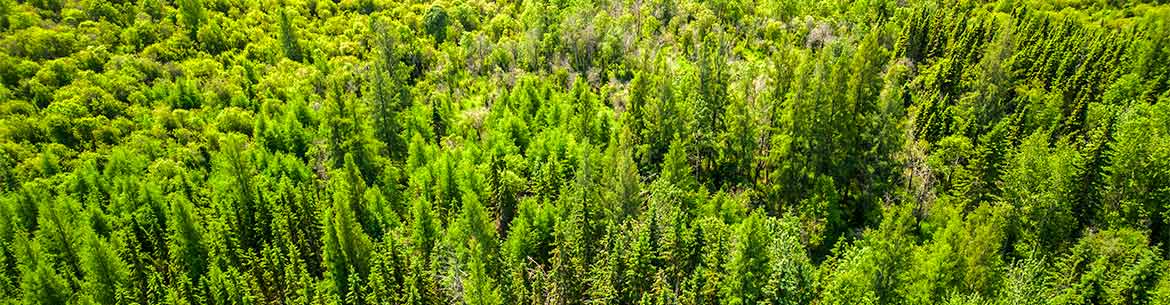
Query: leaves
(583,152)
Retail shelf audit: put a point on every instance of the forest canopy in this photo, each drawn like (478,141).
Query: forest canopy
(564,152)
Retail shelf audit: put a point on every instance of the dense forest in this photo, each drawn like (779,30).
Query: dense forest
(584,152)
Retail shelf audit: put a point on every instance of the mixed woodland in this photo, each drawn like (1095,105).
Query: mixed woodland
(576,152)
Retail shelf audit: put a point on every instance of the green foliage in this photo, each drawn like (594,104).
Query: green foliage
(768,264)
(872,271)
(347,248)
(435,22)
(288,37)
(105,273)
(190,248)
(1135,191)
(42,284)
(1108,267)
(1040,183)
(193,14)
(584,152)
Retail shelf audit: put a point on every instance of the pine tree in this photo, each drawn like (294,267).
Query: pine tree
(711,106)
(193,15)
(189,247)
(41,284)
(387,276)
(60,238)
(607,276)
(288,36)
(502,187)
(389,98)
(347,249)
(475,244)
(368,217)
(439,106)
(425,230)
(435,23)
(622,182)
(571,255)
(748,266)
(105,273)
(249,212)
(736,154)
(676,169)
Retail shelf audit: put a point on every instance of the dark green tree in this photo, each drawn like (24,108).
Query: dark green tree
(288,37)
(435,23)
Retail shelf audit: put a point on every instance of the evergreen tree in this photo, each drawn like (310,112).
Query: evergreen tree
(748,267)
(581,152)
(676,168)
(193,15)
(105,273)
(189,248)
(347,248)
(622,181)
(41,284)
(476,246)
(389,98)
(1040,184)
(60,238)
(435,23)
(288,37)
